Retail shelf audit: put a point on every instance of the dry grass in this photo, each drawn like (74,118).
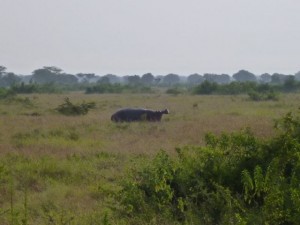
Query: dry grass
(71,164)
(47,132)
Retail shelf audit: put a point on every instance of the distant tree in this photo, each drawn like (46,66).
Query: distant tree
(66,79)
(125,79)
(85,77)
(44,75)
(210,77)
(113,79)
(134,80)
(104,80)
(206,88)
(9,79)
(224,79)
(265,78)
(278,78)
(53,69)
(2,70)
(158,79)
(244,76)
(297,76)
(109,79)
(147,79)
(290,84)
(195,79)
(215,78)
(171,79)
(52,75)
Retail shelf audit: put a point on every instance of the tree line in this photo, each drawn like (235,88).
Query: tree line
(55,75)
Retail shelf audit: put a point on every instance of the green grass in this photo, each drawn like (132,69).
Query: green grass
(57,169)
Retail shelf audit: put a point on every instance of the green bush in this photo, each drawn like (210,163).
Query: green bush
(6,93)
(206,88)
(256,91)
(70,109)
(235,179)
(264,96)
(117,88)
(174,91)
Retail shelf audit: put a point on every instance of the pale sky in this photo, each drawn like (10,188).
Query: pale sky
(127,37)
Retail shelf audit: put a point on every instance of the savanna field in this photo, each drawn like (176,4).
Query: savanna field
(58,169)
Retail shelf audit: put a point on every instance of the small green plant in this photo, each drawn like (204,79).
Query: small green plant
(174,91)
(263,96)
(6,93)
(70,109)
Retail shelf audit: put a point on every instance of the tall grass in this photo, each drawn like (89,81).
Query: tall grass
(41,127)
(57,169)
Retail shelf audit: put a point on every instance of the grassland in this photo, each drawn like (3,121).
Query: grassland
(57,169)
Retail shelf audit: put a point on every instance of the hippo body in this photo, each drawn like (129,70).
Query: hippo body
(136,114)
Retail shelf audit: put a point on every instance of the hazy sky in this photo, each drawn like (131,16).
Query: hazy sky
(158,36)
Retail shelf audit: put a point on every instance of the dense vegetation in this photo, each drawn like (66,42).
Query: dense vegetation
(117,88)
(256,91)
(50,79)
(70,109)
(235,88)
(84,169)
(235,179)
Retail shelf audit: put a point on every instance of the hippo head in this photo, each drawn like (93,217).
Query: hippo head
(166,111)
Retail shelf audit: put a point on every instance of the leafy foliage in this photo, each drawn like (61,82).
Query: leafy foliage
(256,91)
(175,91)
(30,88)
(70,109)
(263,96)
(102,88)
(235,178)
(6,93)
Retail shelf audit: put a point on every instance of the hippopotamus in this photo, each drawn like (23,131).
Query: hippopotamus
(136,114)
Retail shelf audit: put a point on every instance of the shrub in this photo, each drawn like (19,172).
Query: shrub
(264,96)
(174,91)
(206,88)
(6,93)
(235,178)
(70,109)
(117,88)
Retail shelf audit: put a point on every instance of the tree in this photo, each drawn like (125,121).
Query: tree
(53,69)
(224,79)
(86,77)
(44,75)
(147,79)
(104,80)
(220,79)
(244,76)
(290,84)
(66,79)
(297,76)
(9,79)
(109,78)
(278,78)
(195,79)
(2,70)
(113,79)
(171,79)
(134,80)
(265,78)
(52,75)
(206,88)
